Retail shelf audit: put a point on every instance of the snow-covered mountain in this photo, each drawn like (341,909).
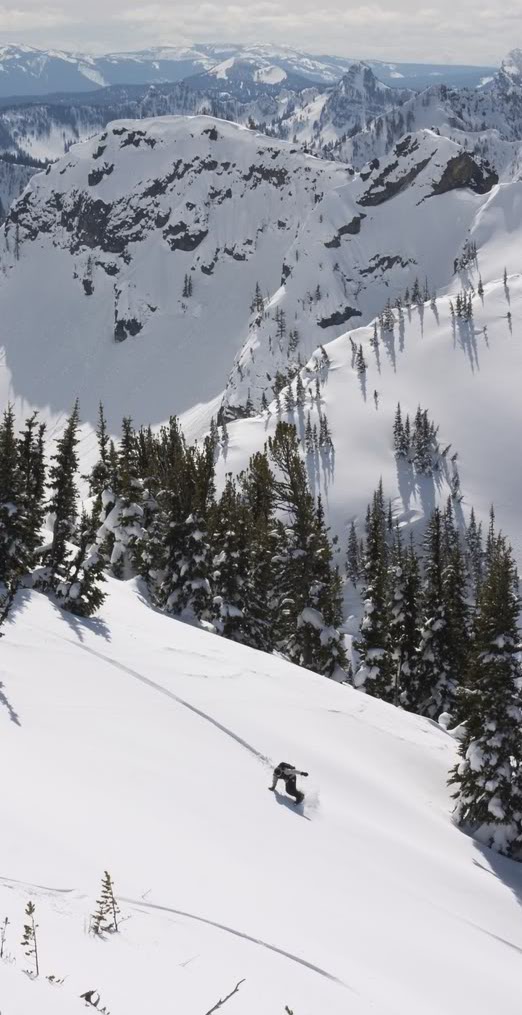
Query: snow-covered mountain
(344,110)
(47,130)
(122,221)
(486,120)
(355,120)
(402,218)
(27,71)
(137,744)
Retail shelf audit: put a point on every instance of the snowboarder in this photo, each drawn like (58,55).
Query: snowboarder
(289,774)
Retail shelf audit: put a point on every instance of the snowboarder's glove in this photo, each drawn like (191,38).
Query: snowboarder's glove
(303,773)
(272,788)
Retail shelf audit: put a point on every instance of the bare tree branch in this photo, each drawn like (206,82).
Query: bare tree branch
(225,999)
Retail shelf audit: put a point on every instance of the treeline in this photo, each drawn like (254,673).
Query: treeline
(440,635)
(419,605)
(22,159)
(255,562)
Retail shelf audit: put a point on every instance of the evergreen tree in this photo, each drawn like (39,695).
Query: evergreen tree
(16,542)
(388,317)
(31,460)
(437,679)
(80,592)
(488,778)
(360,361)
(266,540)
(375,673)
(100,477)
(106,916)
(353,558)
(400,443)
(416,294)
(404,634)
(63,501)
(29,939)
(475,553)
(230,543)
(310,613)
(257,303)
(122,525)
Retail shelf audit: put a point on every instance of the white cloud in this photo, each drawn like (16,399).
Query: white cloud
(463,31)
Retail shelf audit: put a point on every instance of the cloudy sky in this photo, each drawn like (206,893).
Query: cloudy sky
(456,31)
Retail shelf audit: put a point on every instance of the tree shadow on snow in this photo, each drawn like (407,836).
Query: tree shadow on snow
(79,625)
(508,872)
(467,339)
(14,717)
(287,802)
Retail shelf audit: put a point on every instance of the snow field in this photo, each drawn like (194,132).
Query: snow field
(137,744)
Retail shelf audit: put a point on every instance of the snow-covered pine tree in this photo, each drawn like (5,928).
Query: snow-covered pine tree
(375,673)
(122,510)
(80,592)
(353,556)
(229,537)
(15,556)
(474,553)
(416,293)
(265,545)
(488,778)
(388,317)
(395,610)
(258,303)
(456,597)
(185,586)
(405,634)
(31,459)
(310,614)
(191,597)
(309,440)
(400,442)
(437,680)
(100,477)
(62,503)
(360,362)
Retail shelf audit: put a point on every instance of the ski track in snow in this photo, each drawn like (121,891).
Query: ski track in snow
(174,697)
(11,882)
(243,936)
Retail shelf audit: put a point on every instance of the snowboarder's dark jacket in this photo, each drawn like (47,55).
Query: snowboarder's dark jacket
(285,771)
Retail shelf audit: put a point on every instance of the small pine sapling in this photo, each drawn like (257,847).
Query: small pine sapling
(29,940)
(106,916)
(3,935)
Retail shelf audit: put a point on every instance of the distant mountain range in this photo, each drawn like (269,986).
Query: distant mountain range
(29,72)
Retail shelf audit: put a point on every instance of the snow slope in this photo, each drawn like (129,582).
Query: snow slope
(138,744)
(467,374)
